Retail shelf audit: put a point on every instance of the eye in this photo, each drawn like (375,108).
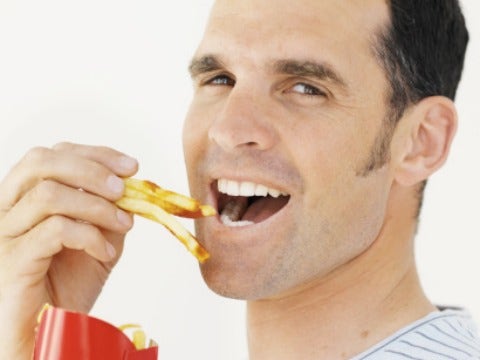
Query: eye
(306,89)
(220,80)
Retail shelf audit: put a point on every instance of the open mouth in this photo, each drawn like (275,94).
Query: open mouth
(247,203)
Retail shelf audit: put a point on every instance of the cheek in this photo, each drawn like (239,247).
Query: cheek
(343,209)
(351,212)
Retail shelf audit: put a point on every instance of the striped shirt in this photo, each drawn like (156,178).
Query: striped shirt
(450,334)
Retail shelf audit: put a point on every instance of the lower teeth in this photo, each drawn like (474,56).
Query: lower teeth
(229,222)
(233,211)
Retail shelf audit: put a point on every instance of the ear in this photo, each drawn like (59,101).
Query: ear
(433,124)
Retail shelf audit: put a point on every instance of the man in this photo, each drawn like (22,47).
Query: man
(313,129)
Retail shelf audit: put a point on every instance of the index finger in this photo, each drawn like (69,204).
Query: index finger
(120,163)
(93,169)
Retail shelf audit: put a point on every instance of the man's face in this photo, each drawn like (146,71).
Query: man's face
(288,99)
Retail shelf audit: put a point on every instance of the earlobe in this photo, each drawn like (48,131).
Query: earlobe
(434,124)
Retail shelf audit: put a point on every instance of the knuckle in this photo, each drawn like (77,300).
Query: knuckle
(37,154)
(100,208)
(91,236)
(94,233)
(57,225)
(46,192)
(62,146)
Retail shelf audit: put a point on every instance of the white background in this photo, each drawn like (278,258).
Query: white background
(114,73)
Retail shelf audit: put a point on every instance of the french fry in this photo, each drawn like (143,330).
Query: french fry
(139,339)
(172,202)
(147,199)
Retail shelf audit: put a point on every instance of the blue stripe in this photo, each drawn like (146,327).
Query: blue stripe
(443,344)
(454,338)
(427,350)
(406,331)
(403,354)
(453,327)
(466,329)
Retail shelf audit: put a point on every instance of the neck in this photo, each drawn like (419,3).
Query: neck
(347,311)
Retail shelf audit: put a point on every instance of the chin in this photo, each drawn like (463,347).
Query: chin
(230,279)
(247,277)
(224,287)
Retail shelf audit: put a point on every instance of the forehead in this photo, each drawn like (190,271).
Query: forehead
(344,14)
(259,30)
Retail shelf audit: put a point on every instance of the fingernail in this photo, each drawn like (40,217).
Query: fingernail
(124,218)
(110,250)
(115,184)
(128,163)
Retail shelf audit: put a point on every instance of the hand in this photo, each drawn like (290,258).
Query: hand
(60,235)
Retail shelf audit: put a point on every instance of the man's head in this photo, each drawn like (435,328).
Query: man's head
(293,97)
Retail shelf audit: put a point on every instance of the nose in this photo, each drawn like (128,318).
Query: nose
(243,122)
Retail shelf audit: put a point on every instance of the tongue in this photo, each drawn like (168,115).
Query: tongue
(263,208)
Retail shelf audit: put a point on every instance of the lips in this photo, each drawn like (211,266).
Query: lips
(244,203)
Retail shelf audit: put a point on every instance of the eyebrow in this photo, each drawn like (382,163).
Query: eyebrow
(204,64)
(318,70)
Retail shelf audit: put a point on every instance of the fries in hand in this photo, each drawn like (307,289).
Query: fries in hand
(149,200)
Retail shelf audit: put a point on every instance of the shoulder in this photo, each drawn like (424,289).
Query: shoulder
(447,334)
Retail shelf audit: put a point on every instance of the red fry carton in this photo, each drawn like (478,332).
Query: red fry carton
(67,335)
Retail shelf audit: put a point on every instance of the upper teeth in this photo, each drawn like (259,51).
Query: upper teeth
(246,188)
